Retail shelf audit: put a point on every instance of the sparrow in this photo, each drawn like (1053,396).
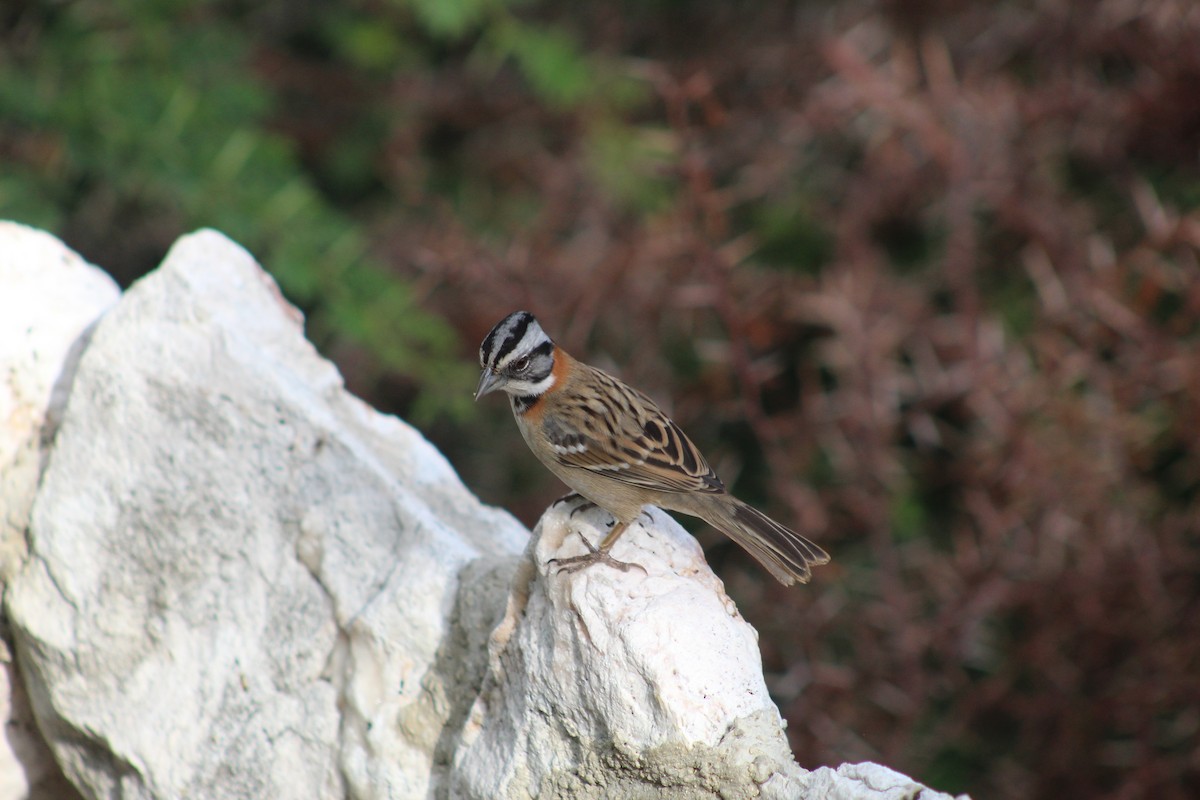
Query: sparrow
(613,446)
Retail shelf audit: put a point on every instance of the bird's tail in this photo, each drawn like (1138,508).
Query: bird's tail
(786,554)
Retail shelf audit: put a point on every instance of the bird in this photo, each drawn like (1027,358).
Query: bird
(612,445)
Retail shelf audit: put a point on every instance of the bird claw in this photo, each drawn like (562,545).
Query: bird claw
(571,497)
(594,555)
(577,563)
(584,506)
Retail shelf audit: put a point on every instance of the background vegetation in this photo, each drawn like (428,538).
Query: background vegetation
(921,277)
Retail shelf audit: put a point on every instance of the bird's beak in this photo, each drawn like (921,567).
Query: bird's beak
(488,382)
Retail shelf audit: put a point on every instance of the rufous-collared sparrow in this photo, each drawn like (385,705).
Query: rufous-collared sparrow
(616,448)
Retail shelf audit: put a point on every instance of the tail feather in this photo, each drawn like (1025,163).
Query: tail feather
(786,554)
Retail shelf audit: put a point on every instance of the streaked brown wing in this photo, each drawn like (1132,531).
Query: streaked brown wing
(622,434)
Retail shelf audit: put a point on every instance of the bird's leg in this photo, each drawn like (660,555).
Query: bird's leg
(596,555)
(607,543)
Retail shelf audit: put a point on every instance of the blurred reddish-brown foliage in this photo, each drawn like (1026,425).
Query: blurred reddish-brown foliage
(927,287)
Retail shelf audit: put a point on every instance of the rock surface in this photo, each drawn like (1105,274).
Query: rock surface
(238,581)
(240,577)
(590,671)
(49,299)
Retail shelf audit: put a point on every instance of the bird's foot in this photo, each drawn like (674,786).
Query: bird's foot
(594,555)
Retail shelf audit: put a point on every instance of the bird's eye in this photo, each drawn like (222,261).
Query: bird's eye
(521,365)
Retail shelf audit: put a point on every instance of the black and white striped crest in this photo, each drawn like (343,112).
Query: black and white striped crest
(515,336)
(518,357)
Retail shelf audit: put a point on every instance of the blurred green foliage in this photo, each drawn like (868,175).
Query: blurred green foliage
(154,107)
(157,115)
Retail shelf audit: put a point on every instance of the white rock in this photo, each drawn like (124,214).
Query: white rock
(27,768)
(607,683)
(858,781)
(640,683)
(49,298)
(241,580)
